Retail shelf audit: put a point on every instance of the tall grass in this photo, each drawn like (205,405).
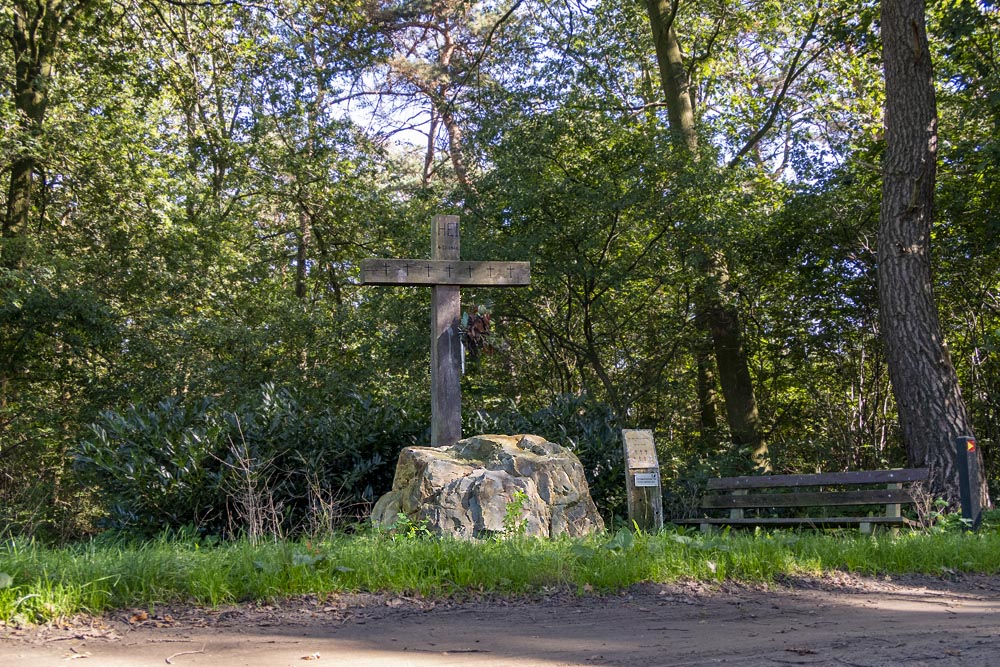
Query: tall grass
(43,583)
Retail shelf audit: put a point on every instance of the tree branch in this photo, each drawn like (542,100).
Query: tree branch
(779,97)
(486,45)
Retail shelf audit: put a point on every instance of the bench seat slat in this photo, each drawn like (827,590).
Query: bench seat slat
(789,521)
(809,499)
(820,479)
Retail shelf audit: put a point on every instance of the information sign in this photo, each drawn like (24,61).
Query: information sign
(647,479)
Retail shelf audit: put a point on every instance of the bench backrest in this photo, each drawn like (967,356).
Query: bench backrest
(739,487)
(820,479)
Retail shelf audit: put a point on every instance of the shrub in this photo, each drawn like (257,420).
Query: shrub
(158,466)
(273,462)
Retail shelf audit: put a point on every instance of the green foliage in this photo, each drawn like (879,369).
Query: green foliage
(197,221)
(621,542)
(967,207)
(157,466)
(55,339)
(580,193)
(182,463)
(406,528)
(514,522)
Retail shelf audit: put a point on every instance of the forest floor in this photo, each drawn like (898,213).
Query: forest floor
(834,620)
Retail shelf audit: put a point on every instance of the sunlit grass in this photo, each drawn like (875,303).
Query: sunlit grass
(43,583)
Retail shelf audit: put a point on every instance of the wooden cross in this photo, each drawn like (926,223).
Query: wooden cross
(445,273)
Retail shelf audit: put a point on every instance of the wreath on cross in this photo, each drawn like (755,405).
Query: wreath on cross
(475,331)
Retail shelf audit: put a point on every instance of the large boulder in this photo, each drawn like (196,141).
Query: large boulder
(467,489)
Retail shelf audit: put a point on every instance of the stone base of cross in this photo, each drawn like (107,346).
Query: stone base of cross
(445,273)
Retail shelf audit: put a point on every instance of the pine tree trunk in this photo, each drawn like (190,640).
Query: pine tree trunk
(932,412)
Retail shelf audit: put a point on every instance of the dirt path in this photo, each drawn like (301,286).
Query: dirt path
(834,621)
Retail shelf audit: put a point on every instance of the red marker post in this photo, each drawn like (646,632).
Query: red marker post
(968,480)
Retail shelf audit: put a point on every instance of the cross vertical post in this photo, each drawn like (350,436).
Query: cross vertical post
(446,349)
(445,274)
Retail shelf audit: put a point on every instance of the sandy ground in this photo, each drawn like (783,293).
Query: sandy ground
(840,620)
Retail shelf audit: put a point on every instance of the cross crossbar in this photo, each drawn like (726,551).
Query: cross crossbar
(444,272)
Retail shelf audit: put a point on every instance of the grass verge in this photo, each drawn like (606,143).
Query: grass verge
(39,584)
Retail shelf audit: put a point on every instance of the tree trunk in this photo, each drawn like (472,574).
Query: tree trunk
(723,321)
(456,150)
(445,110)
(720,318)
(931,410)
(425,177)
(20,194)
(36,29)
(302,256)
(708,419)
(33,40)
(673,76)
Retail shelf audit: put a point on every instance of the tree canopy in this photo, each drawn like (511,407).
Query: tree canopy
(189,188)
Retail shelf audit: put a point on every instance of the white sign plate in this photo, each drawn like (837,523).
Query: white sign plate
(647,479)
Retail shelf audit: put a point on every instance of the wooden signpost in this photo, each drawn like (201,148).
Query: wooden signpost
(445,274)
(642,477)
(967,459)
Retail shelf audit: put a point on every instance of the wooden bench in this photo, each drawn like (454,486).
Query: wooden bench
(783,492)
